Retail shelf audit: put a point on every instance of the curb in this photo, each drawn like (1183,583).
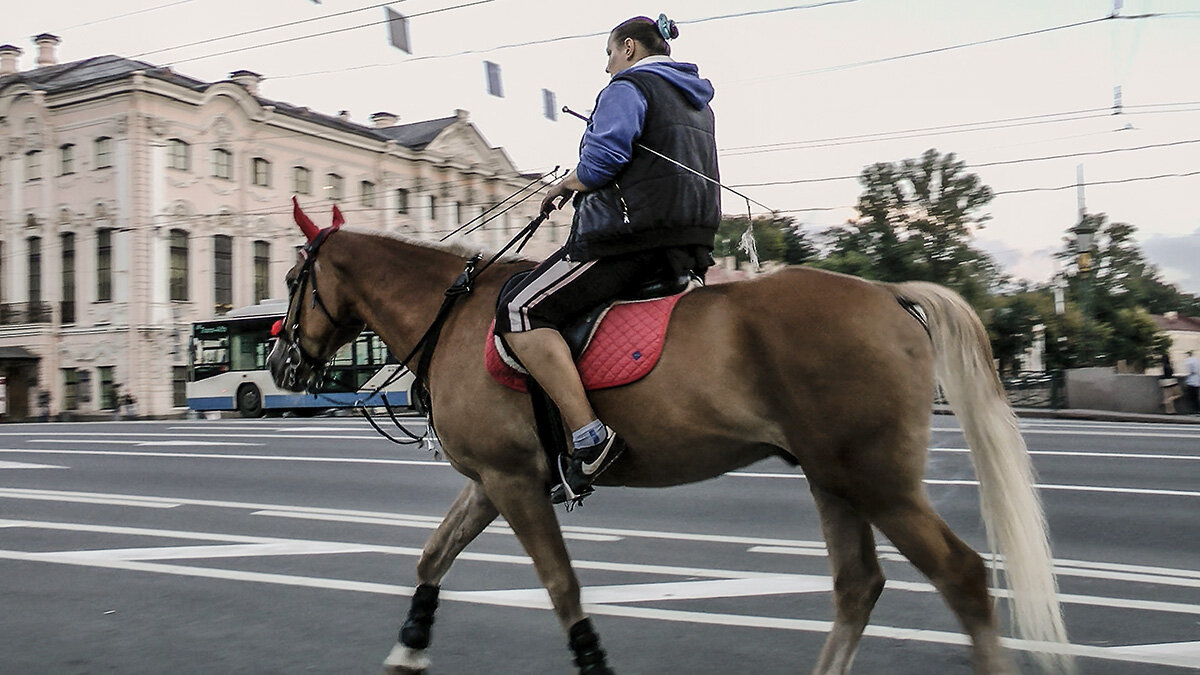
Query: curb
(1090,415)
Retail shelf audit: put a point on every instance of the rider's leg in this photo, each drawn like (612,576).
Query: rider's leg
(546,356)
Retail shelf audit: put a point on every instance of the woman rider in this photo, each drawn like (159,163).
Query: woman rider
(636,214)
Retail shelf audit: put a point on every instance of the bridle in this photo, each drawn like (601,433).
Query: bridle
(287,329)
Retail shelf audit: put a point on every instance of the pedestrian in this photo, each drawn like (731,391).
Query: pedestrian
(1191,383)
(636,213)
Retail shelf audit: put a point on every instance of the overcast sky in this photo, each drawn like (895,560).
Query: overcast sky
(787,82)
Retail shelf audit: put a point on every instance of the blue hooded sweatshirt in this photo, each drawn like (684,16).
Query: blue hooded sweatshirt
(616,124)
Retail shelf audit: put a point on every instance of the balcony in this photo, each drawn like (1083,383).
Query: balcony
(16,313)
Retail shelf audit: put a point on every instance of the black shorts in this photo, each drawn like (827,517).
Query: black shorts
(560,289)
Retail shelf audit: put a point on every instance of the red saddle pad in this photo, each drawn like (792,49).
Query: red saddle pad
(625,346)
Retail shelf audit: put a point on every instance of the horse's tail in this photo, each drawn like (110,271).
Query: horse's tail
(1012,510)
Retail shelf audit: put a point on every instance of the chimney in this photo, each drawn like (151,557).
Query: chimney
(8,59)
(382,120)
(344,115)
(46,44)
(248,79)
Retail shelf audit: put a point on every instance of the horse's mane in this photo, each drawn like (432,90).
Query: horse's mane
(456,247)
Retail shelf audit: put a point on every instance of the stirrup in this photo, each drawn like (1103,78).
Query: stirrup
(582,467)
(572,486)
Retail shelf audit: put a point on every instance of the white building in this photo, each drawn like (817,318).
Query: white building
(135,200)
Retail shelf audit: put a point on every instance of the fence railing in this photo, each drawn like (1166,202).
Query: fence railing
(1028,389)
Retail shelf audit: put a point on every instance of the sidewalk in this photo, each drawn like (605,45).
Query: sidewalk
(1092,415)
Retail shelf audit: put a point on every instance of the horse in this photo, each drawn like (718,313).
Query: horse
(830,370)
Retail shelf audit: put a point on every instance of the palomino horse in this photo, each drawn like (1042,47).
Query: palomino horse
(829,369)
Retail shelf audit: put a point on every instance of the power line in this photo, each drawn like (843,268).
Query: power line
(1006,162)
(263,29)
(965,127)
(126,14)
(327,32)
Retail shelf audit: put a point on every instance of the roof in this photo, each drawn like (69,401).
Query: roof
(1185,324)
(99,69)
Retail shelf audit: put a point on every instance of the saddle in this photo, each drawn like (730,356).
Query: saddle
(613,344)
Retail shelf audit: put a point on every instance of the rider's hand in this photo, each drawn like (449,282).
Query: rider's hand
(560,192)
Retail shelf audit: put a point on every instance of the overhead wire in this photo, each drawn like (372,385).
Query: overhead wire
(126,14)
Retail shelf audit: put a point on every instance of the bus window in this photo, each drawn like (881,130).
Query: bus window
(249,349)
(210,353)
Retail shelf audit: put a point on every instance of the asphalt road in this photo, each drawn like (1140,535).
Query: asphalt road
(288,545)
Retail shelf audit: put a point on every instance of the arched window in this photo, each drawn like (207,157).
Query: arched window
(222,165)
(367,189)
(334,186)
(33,165)
(35,272)
(103,152)
(68,277)
(401,201)
(66,159)
(179,265)
(261,170)
(104,265)
(262,271)
(179,155)
(223,273)
(301,180)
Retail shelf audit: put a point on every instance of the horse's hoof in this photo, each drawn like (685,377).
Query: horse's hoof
(405,661)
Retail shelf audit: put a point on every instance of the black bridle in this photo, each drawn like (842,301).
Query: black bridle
(294,355)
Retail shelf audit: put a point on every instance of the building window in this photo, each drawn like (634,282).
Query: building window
(103,152)
(108,388)
(35,271)
(221,164)
(33,165)
(223,273)
(1,272)
(262,271)
(301,180)
(1,170)
(367,189)
(401,201)
(262,171)
(70,389)
(179,386)
(334,187)
(432,209)
(458,213)
(104,265)
(66,157)
(179,155)
(179,266)
(68,277)
(549,105)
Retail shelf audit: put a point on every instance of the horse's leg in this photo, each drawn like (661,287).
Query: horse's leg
(955,570)
(857,578)
(522,501)
(471,512)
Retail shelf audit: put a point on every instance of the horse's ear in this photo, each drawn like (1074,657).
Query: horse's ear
(338,220)
(306,224)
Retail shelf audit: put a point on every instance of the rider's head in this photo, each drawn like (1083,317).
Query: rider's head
(637,38)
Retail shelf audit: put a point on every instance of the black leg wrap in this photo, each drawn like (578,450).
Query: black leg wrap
(415,632)
(585,645)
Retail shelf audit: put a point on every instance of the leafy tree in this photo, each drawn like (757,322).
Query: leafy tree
(916,220)
(1010,327)
(775,238)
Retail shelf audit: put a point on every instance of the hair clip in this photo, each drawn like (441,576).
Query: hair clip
(666,27)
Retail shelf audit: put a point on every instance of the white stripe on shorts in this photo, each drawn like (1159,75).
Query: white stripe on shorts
(558,275)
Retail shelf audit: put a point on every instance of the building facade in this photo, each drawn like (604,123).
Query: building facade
(134,201)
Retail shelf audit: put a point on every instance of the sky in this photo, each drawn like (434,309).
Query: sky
(805,91)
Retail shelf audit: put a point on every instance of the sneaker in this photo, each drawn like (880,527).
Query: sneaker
(577,472)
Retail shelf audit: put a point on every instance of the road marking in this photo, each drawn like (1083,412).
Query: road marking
(201,455)
(420,524)
(82,498)
(1172,654)
(23,465)
(242,427)
(1085,453)
(671,590)
(220,551)
(142,434)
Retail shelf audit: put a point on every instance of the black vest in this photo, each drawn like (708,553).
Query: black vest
(654,203)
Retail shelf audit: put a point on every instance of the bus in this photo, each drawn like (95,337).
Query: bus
(227,368)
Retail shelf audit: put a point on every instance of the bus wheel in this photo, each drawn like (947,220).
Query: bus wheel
(249,401)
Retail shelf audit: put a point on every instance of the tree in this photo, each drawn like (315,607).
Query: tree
(775,238)
(916,220)
(1010,327)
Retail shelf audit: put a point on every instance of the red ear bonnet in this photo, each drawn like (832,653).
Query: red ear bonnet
(306,224)
(277,328)
(337,217)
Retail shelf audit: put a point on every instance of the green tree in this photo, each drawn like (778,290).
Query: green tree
(1010,326)
(916,220)
(775,238)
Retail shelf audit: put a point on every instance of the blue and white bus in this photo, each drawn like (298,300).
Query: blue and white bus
(227,368)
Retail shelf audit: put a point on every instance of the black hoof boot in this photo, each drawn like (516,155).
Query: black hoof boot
(585,645)
(415,632)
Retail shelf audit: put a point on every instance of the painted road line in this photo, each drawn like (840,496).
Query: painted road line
(220,551)
(670,590)
(142,434)
(13,493)
(264,458)
(23,465)
(1085,453)
(1162,654)
(420,524)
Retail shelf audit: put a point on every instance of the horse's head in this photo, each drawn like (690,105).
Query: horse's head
(319,316)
